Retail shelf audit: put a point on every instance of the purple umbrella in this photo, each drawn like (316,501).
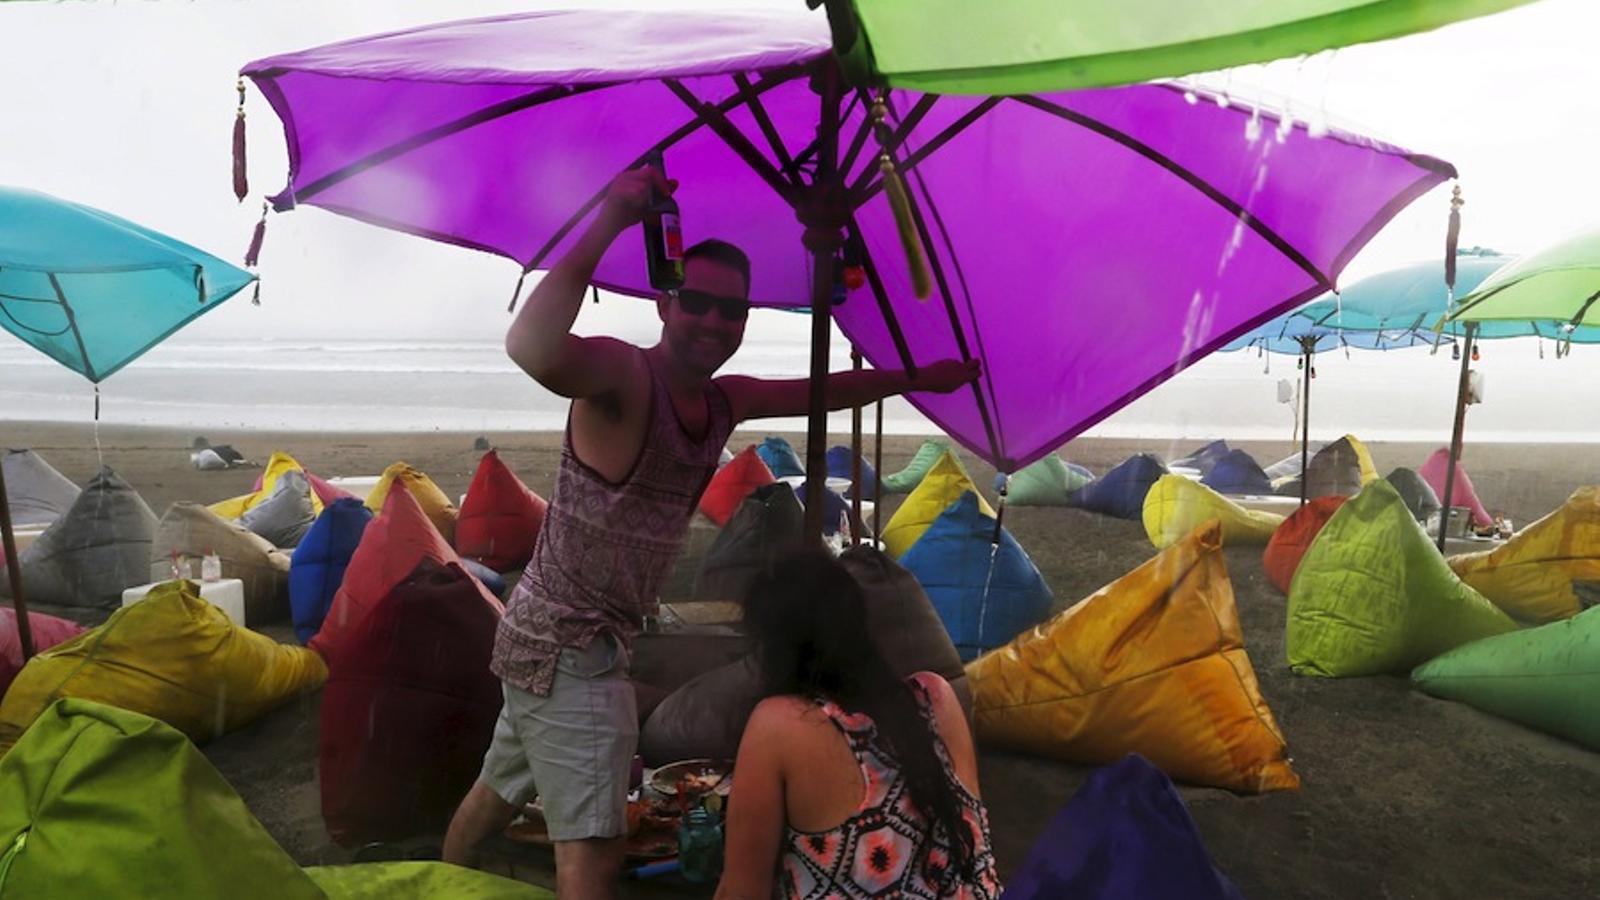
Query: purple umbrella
(1086,245)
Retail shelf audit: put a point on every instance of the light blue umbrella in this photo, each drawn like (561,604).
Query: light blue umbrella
(93,291)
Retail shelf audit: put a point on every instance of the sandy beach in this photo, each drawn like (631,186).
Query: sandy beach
(1404,796)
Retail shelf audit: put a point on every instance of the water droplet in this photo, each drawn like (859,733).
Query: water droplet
(1252,127)
(1223,101)
(1285,126)
(1190,97)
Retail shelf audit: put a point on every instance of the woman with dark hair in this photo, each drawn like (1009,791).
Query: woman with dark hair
(850,782)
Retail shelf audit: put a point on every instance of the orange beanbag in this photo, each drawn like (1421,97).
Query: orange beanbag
(1290,540)
(500,518)
(392,545)
(732,483)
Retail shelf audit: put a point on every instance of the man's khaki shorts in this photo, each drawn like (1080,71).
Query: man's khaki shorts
(574,748)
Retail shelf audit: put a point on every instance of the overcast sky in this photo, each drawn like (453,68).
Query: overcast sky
(129,107)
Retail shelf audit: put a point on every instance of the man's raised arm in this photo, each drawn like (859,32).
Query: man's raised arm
(540,340)
(762,398)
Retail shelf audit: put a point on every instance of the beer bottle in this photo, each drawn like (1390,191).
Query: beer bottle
(663,239)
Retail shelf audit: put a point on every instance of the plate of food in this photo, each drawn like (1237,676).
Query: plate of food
(694,777)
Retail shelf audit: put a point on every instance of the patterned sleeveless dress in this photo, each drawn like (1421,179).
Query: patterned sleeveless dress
(871,855)
(605,548)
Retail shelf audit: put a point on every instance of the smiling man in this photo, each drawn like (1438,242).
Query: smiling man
(645,431)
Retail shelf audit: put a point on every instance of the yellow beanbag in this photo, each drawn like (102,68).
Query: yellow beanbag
(1153,663)
(435,505)
(944,484)
(281,462)
(1531,575)
(1176,506)
(171,656)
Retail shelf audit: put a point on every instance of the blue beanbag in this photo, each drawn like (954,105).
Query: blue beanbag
(317,567)
(839,467)
(780,458)
(1204,459)
(1238,473)
(982,609)
(1125,833)
(1120,492)
(834,506)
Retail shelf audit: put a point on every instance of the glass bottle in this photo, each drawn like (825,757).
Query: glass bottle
(663,236)
(700,846)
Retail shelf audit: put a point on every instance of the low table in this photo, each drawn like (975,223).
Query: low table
(226,594)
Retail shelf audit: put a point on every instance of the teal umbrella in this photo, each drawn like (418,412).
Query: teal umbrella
(93,291)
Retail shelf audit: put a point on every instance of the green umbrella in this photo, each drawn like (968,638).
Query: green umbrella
(1558,284)
(1029,46)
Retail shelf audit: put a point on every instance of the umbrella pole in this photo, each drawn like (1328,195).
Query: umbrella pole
(14,572)
(1307,355)
(855,459)
(824,210)
(1455,435)
(877,469)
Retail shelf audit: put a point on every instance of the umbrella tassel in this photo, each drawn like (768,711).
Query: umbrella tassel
(255,294)
(900,204)
(97,402)
(1451,238)
(241,180)
(517,292)
(253,254)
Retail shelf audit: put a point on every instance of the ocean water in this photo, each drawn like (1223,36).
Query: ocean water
(471,386)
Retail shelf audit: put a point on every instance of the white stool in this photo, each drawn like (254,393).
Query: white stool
(226,594)
(26,536)
(359,485)
(1267,503)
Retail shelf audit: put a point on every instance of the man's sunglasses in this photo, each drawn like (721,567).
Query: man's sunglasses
(698,303)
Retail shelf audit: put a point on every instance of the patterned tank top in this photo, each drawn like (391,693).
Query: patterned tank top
(605,547)
(885,848)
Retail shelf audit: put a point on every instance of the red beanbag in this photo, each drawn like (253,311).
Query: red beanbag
(48,631)
(392,545)
(409,708)
(500,518)
(732,483)
(1291,539)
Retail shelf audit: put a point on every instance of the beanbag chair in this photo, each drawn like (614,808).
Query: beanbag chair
(190,531)
(1530,576)
(1419,497)
(409,708)
(438,508)
(500,519)
(1047,482)
(317,568)
(834,509)
(209,460)
(1125,833)
(326,493)
(286,515)
(1177,505)
(780,458)
(1289,466)
(732,483)
(1120,672)
(943,485)
(172,656)
(1373,595)
(1121,491)
(984,598)
(769,524)
(1546,678)
(903,481)
(279,463)
(705,717)
(47,631)
(108,802)
(1462,493)
(91,787)
(36,494)
(91,554)
(391,546)
(839,466)
(1236,472)
(1203,459)
(1291,539)
(1341,467)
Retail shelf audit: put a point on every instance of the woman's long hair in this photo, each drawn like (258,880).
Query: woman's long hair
(807,617)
